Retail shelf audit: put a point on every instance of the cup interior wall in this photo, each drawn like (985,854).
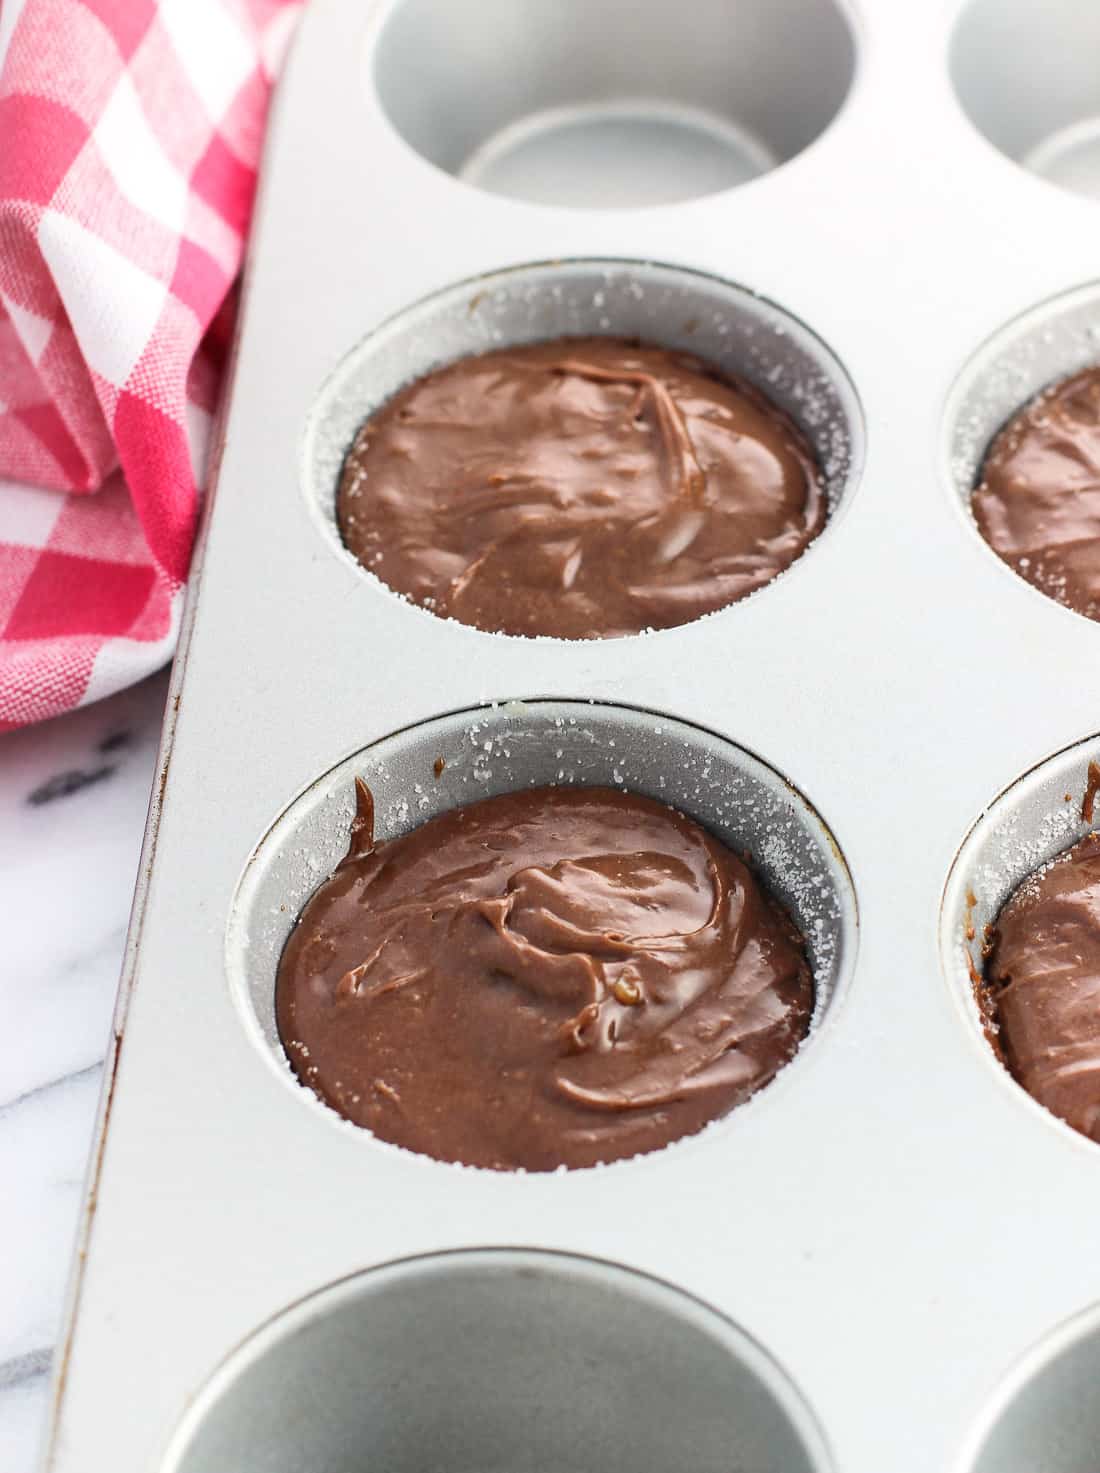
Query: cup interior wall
(1031,822)
(1049,1414)
(1025,73)
(499,1360)
(725,325)
(504,748)
(466,81)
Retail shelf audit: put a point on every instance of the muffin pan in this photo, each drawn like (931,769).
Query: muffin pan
(846,1274)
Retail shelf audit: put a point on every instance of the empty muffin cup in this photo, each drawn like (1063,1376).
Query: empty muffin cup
(617,104)
(1025,73)
(1040,816)
(499,1358)
(1046,1415)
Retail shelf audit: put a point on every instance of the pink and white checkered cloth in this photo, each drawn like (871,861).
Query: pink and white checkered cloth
(130,132)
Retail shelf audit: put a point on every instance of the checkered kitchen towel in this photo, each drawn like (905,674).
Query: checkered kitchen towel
(129,137)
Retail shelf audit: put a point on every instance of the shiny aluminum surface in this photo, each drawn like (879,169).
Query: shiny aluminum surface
(892,1220)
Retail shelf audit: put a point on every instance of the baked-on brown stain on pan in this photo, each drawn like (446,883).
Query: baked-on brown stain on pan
(581,488)
(553,976)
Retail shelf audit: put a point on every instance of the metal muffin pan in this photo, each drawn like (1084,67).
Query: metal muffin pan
(891,1220)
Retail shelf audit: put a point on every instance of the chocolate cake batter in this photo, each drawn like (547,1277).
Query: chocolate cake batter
(557,975)
(1038,503)
(1043,976)
(581,488)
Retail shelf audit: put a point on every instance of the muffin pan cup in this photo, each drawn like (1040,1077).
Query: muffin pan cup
(499,1358)
(1025,76)
(891,1220)
(525,744)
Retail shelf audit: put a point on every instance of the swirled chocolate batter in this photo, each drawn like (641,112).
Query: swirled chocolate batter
(554,976)
(1043,977)
(582,488)
(1038,503)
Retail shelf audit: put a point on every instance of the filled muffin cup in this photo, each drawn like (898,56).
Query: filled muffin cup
(450,762)
(1045,1414)
(1038,817)
(1050,343)
(730,330)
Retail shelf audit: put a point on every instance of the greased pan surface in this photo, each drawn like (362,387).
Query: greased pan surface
(892,1226)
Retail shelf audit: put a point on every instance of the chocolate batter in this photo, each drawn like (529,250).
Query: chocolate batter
(1038,504)
(581,488)
(554,976)
(1043,976)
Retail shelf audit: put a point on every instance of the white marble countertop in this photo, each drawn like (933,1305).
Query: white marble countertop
(73,799)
